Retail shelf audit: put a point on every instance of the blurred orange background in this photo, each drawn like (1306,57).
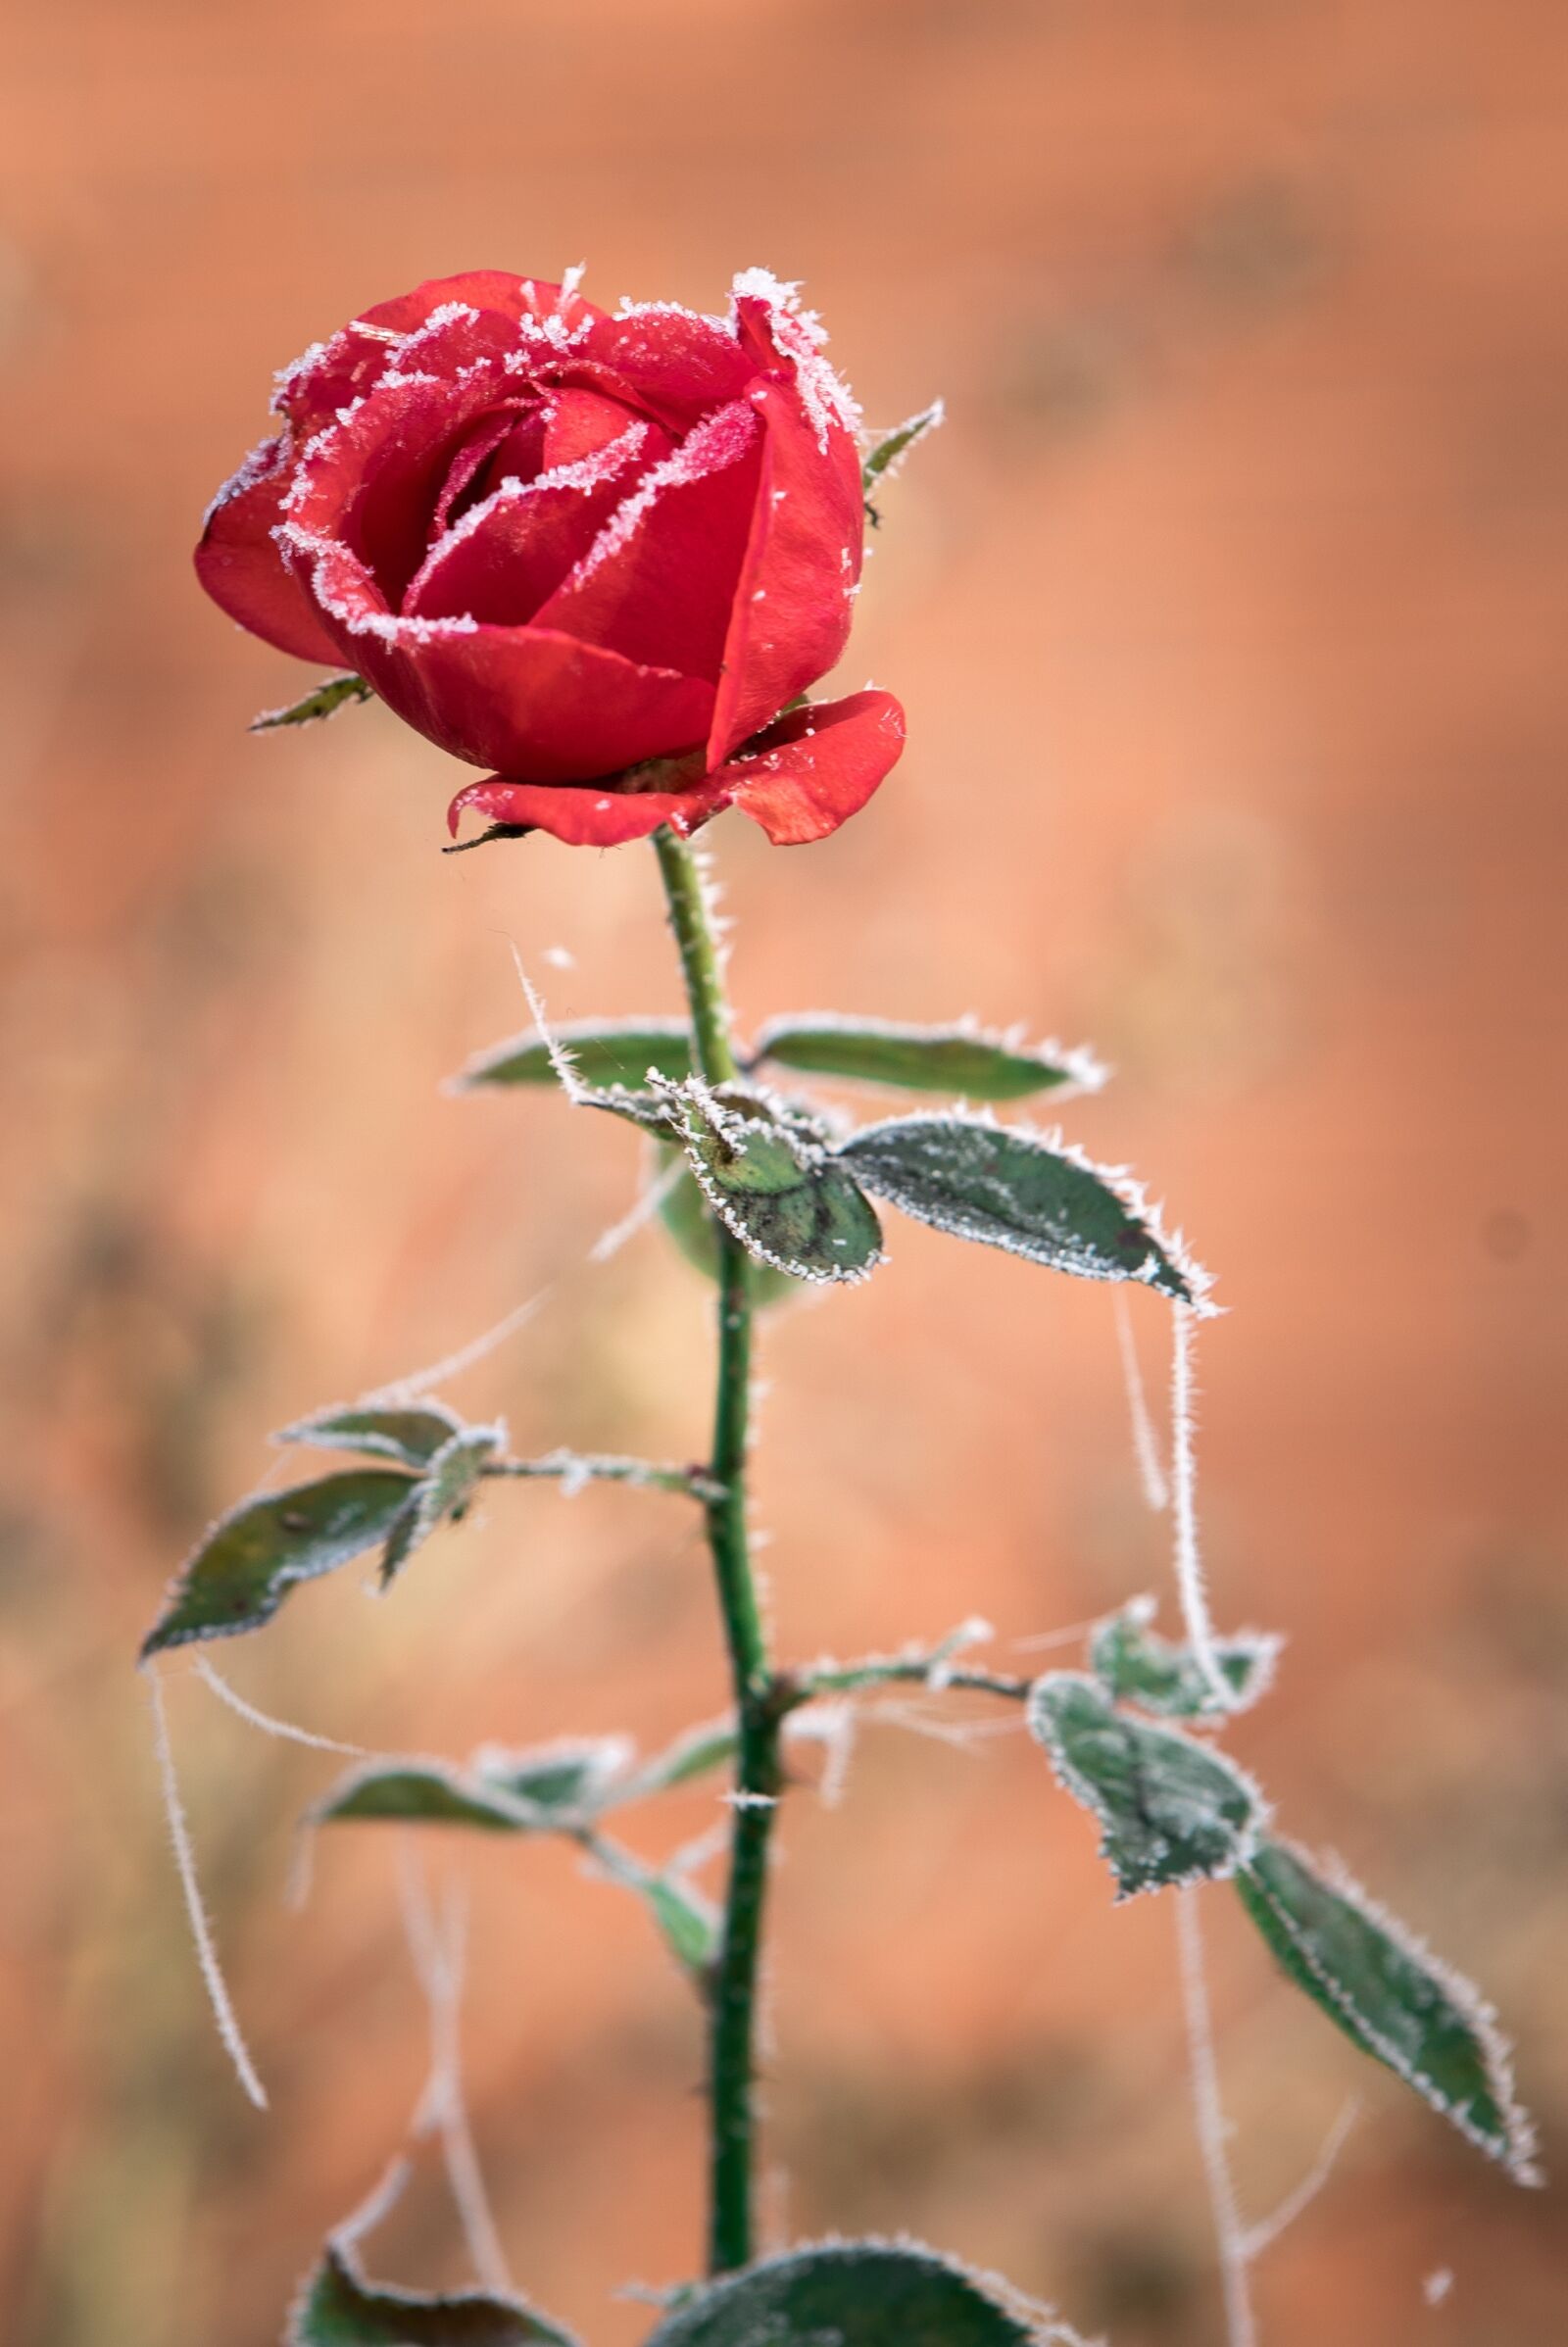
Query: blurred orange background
(1229,614)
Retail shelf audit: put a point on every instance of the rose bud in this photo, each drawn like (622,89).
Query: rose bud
(600,556)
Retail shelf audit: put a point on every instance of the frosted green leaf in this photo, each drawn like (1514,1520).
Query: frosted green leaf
(1390,1997)
(685,1919)
(786,1202)
(554,1787)
(340,2307)
(602,1051)
(848,2295)
(1014,1189)
(649,1110)
(320,701)
(885,455)
(412,1437)
(692,1755)
(572,1776)
(422,1792)
(687,1217)
(243,1569)
(1136,1665)
(964,1062)
(442,1494)
(1171,1810)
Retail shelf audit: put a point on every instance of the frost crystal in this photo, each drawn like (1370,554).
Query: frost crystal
(255,467)
(799,335)
(722,439)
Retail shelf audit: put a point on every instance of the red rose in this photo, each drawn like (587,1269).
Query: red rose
(599,554)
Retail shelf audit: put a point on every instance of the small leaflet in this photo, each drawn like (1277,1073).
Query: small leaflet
(442,1494)
(1171,1810)
(776,1190)
(602,1052)
(241,1571)
(687,1922)
(1025,1193)
(557,1787)
(690,1756)
(885,457)
(324,699)
(860,2293)
(411,1437)
(686,1216)
(1136,1665)
(1391,1996)
(340,2307)
(962,1060)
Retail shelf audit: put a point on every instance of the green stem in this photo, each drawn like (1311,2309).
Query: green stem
(600,1467)
(699,957)
(758,1778)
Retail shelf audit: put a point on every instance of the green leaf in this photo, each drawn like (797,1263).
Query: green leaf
(1390,1997)
(1171,1810)
(242,1571)
(1012,1190)
(340,2307)
(572,1776)
(424,1792)
(329,695)
(412,1437)
(552,1788)
(603,1052)
(852,2294)
(773,1187)
(884,457)
(1136,1665)
(690,1756)
(648,1109)
(688,1218)
(963,1060)
(688,1923)
(442,1494)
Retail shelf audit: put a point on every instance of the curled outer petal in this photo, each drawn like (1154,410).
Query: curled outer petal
(238,564)
(799,779)
(809,772)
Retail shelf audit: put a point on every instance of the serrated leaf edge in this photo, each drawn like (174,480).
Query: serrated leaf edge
(332,694)
(284,1581)
(732,1127)
(1082,1073)
(427,1508)
(459,1778)
(1048,2330)
(1263,1646)
(1084,1792)
(306,1430)
(1517,2153)
(1129,1192)
(474,1074)
(342,2244)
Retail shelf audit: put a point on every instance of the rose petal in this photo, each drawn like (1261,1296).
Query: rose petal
(239,565)
(470,475)
(332,374)
(682,363)
(507,554)
(580,422)
(796,595)
(515,297)
(815,768)
(658,582)
(585,816)
(538,706)
(373,478)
